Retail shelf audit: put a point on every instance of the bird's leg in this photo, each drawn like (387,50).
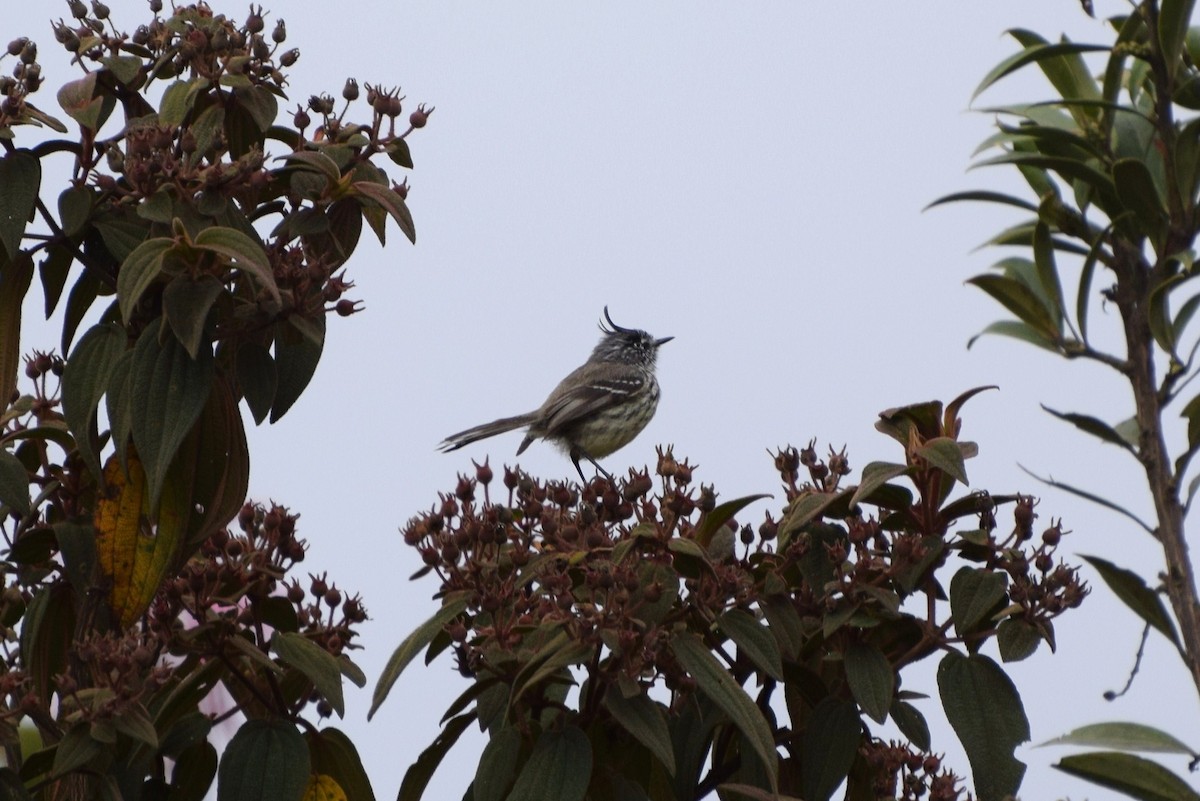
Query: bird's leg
(578,453)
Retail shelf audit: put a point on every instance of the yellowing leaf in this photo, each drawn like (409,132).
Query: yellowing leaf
(322,787)
(135,548)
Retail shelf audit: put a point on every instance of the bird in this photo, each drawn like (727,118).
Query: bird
(597,409)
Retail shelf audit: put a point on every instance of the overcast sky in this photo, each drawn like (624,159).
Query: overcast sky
(747,177)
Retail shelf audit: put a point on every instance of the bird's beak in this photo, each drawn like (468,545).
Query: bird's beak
(663,341)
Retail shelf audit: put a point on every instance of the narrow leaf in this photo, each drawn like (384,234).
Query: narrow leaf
(1133,592)
(720,688)
(1097,428)
(417,777)
(1032,54)
(1130,775)
(411,646)
(85,380)
(1123,736)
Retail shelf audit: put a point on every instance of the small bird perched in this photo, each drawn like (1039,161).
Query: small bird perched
(597,409)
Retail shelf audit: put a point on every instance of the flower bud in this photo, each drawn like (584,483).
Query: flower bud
(100,10)
(78,9)
(290,57)
(350,90)
(17,45)
(279,34)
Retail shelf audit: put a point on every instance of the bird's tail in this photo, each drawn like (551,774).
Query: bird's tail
(456,441)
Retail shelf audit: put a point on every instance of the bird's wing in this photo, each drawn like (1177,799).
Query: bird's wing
(584,400)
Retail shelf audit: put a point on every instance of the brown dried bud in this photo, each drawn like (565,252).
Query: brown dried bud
(17,45)
(100,10)
(420,117)
(1053,535)
(279,33)
(319,585)
(345,307)
(78,9)
(350,90)
(255,23)
(290,57)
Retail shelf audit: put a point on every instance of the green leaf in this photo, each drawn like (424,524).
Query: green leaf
(560,767)
(497,765)
(267,760)
(194,772)
(21,177)
(15,278)
(1047,272)
(721,515)
(85,380)
(391,202)
(985,711)
(76,750)
(1051,57)
(139,271)
(719,687)
(1133,592)
(78,99)
(785,624)
(186,303)
(874,476)
(911,723)
(53,272)
(318,665)
(986,197)
(1097,428)
(168,392)
(643,718)
(134,721)
(1174,17)
(871,678)
(179,99)
(1021,301)
(296,358)
(1138,194)
(417,777)
(974,595)
(257,378)
(242,252)
(259,103)
(1130,775)
(1094,499)
(334,754)
(832,735)
(1017,639)
(314,161)
(753,640)
(1123,736)
(946,455)
(14,484)
(411,646)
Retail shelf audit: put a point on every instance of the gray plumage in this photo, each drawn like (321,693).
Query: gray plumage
(597,409)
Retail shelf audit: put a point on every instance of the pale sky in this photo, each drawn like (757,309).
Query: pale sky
(747,177)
